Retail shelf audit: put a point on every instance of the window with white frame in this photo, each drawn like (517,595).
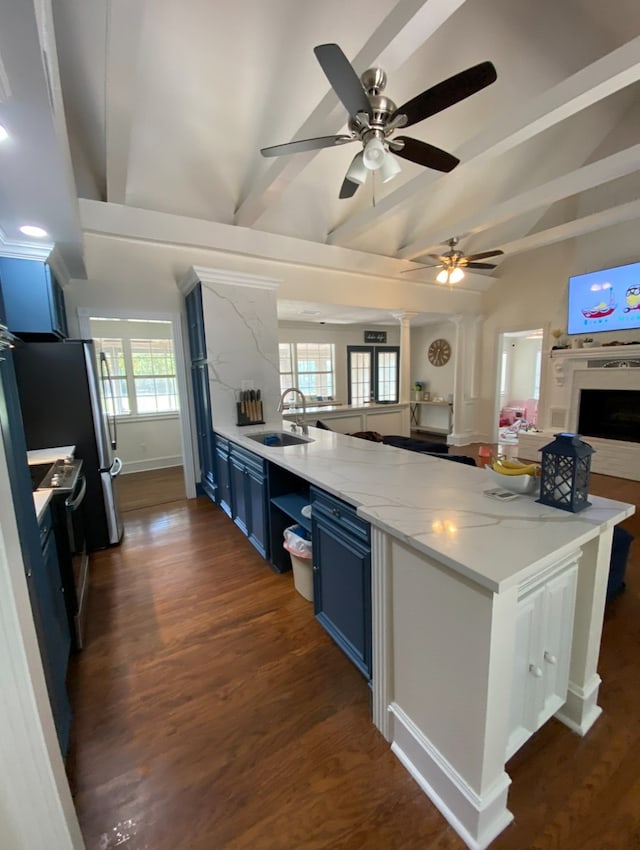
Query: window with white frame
(142,369)
(310,366)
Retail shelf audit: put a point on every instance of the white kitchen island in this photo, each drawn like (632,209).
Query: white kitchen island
(486,620)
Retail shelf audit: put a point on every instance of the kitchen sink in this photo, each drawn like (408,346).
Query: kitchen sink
(279,438)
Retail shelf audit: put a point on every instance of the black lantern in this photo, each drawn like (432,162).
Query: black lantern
(566,464)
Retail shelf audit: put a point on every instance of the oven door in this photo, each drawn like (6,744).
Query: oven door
(74,510)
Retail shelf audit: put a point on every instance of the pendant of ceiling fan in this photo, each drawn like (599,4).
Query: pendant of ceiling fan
(374,118)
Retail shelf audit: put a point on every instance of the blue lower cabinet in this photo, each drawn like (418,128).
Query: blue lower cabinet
(342,576)
(223,474)
(249,496)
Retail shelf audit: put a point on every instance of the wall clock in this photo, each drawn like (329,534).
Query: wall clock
(439,352)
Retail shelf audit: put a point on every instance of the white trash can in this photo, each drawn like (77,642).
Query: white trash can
(298,546)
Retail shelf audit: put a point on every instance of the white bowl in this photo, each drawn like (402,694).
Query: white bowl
(514,483)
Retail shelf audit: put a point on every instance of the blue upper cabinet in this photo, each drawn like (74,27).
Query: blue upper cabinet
(195,321)
(33,300)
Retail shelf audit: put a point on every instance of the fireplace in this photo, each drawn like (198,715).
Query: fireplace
(596,393)
(610,414)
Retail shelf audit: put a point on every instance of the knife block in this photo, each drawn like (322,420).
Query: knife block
(249,413)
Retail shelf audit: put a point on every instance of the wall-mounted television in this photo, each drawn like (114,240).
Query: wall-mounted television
(607,300)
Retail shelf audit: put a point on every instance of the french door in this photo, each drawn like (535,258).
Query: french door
(373,373)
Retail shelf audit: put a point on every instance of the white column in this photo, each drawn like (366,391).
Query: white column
(405,354)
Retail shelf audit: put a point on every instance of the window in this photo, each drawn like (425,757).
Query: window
(143,375)
(310,366)
(373,373)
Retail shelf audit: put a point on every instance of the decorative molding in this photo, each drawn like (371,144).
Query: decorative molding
(24,250)
(477,819)
(200,274)
(381,631)
(59,267)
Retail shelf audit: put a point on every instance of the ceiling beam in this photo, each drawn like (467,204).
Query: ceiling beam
(575,228)
(581,180)
(602,78)
(409,24)
(124,29)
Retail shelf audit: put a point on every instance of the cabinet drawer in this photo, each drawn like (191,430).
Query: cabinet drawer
(337,511)
(45,525)
(249,459)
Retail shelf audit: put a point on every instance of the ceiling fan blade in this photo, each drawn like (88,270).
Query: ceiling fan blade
(479,265)
(306,145)
(483,255)
(344,80)
(425,154)
(348,189)
(447,93)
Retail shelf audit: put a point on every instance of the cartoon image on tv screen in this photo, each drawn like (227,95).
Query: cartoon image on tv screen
(632,298)
(606,300)
(602,308)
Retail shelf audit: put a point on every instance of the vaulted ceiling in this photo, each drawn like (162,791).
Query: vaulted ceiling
(164,106)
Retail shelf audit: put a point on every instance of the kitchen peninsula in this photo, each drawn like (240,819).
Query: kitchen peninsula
(486,616)
(350,418)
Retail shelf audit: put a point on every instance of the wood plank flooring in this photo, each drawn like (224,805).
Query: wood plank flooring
(151,487)
(211,712)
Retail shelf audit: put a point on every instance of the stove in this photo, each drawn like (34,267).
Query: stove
(60,475)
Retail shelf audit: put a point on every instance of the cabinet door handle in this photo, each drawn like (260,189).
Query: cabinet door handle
(335,512)
(535,671)
(549,658)
(315,568)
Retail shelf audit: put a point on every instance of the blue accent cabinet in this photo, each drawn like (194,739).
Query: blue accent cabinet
(223,474)
(33,300)
(201,394)
(39,554)
(341,544)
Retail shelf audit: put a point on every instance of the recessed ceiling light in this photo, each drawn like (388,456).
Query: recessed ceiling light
(30,230)
(3,134)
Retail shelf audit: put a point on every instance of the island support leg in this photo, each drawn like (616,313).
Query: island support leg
(442,672)
(581,709)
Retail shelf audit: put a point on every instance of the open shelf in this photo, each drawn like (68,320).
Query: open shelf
(291,504)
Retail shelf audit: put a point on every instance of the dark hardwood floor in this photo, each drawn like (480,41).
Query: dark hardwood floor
(211,712)
(151,487)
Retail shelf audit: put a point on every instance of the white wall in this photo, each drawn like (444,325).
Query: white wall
(532,292)
(439,379)
(341,336)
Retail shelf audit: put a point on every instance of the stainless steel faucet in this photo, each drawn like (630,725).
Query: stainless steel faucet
(299,422)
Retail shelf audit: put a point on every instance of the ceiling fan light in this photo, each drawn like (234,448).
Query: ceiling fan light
(357,172)
(443,276)
(390,168)
(374,154)
(456,275)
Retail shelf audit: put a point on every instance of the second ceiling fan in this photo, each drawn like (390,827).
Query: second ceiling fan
(454,261)
(374,118)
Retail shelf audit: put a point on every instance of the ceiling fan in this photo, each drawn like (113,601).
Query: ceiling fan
(373,118)
(454,261)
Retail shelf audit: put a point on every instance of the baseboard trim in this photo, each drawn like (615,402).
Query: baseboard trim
(581,710)
(478,820)
(150,463)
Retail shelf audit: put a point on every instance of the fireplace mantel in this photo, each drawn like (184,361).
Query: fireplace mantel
(607,357)
(573,370)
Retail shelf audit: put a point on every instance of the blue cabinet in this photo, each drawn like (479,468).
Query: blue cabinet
(33,300)
(249,496)
(201,394)
(223,475)
(342,576)
(38,553)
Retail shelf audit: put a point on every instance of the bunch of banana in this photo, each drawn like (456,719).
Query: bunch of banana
(514,467)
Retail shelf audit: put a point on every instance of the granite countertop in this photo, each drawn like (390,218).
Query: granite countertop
(50,455)
(41,499)
(438,507)
(344,408)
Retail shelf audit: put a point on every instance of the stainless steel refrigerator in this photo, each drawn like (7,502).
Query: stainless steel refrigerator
(61,405)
